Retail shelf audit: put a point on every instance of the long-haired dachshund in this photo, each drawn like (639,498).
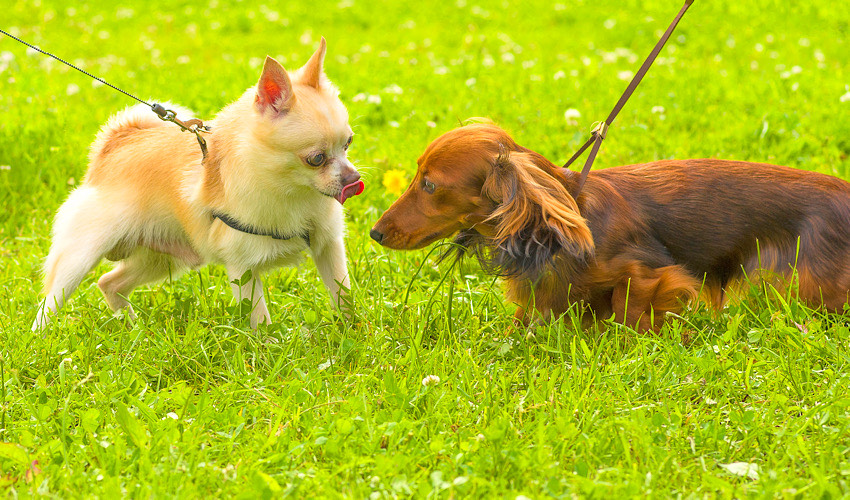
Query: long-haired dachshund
(638,241)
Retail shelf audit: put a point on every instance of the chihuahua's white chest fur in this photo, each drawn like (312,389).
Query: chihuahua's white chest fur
(271,187)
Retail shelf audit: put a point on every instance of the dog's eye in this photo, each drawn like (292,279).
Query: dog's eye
(316,160)
(429,186)
(348,143)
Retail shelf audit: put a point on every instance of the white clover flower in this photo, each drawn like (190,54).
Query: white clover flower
(658,109)
(743,469)
(374,99)
(571,116)
(625,75)
(470,82)
(559,75)
(430,380)
(72,89)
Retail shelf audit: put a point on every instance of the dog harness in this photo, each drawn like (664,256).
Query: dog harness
(235,224)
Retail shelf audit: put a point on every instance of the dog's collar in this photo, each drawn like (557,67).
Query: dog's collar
(235,224)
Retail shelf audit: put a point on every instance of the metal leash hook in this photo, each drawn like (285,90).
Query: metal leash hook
(600,130)
(193,125)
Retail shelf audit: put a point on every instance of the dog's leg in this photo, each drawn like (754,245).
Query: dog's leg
(643,296)
(82,233)
(143,266)
(330,261)
(252,289)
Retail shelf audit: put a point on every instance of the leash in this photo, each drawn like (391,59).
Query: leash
(601,129)
(193,125)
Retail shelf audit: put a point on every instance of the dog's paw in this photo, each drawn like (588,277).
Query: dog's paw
(126,314)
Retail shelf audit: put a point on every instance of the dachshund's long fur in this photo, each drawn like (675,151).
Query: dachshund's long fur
(638,242)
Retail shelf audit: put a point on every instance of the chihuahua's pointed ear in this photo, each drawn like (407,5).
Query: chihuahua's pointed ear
(274,90)
(312,72)
(536,218)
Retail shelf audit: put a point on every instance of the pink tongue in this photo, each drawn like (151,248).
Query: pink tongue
(350,190)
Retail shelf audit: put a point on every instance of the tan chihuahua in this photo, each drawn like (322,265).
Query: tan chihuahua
(272,186)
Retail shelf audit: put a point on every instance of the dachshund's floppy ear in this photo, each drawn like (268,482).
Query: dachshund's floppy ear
(535,217)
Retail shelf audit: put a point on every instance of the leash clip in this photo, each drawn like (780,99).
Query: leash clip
(193,125)
(600,129)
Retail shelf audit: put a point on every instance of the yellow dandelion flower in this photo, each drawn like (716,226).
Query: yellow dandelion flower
(394,182)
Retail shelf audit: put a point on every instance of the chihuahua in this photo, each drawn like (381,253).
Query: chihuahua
(271,186)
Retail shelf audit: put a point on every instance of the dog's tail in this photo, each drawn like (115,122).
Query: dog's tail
(129,121)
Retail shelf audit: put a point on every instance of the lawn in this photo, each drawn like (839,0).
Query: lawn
(430,392)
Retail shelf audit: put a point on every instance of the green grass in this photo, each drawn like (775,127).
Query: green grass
(189,402)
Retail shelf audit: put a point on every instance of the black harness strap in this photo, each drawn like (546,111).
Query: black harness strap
(235,224)
(601,130)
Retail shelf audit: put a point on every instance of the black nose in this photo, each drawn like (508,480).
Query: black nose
(376,235)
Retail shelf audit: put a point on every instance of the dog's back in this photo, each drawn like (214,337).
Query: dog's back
(135,145)
(721,219)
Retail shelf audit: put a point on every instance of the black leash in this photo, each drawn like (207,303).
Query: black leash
(601,130)
(193,125)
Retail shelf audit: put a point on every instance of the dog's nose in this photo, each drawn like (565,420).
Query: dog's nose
(376,235)
(350,177)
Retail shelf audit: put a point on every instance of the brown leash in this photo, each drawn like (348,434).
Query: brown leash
(601,130)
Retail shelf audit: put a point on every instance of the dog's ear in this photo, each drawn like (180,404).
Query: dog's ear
(312,72)
(535,216)
(274,90)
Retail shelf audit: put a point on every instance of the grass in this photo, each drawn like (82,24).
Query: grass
(188,402)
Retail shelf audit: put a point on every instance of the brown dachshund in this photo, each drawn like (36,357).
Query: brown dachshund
(639,241)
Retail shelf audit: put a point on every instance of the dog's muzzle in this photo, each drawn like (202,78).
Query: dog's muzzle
(376,235)
(352,185)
